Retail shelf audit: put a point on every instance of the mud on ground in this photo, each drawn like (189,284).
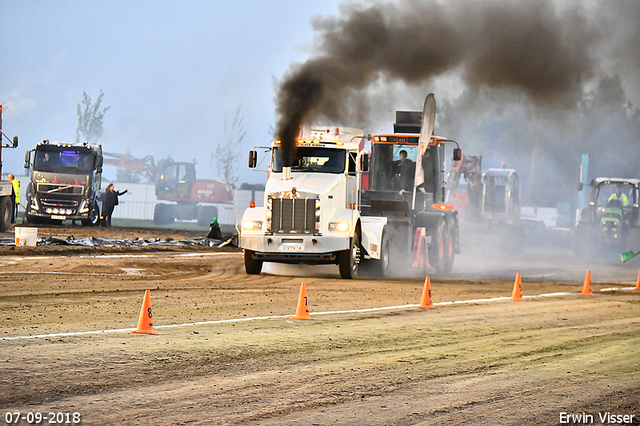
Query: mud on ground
(227,351)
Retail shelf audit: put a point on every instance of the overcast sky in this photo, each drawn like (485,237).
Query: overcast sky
(170,71)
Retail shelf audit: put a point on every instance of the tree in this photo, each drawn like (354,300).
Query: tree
(90,118)
(127,176)
(225,159)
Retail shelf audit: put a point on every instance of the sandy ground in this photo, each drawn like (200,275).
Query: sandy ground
(227,351)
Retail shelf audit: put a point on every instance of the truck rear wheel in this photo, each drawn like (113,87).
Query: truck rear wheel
(437,251)
(382,265)
(251,265)
(6,213)
(377,267)
(349,260)
(450,253)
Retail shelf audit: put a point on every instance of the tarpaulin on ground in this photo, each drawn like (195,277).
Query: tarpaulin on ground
(124,242)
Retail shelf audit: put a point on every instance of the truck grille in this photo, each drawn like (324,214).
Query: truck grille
(59,203)
(295,216)
(58,188)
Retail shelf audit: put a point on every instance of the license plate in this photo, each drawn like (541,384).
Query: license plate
(292,247)
(57,217)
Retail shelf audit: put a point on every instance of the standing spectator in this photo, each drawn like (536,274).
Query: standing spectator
(15,196)
(110,201)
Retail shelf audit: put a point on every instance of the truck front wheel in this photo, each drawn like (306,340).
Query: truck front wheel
(385,255)
(94,216)
(349,260)
(251,265)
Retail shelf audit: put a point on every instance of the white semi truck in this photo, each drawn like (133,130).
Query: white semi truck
(328,207)
(311,212)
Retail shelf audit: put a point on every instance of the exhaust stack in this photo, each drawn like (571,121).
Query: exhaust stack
(286,173)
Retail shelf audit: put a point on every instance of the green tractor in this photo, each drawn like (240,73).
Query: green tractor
(610,222)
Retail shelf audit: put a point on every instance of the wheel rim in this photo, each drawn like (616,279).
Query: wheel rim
(355,255)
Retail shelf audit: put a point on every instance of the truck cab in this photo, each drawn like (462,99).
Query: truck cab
(64,182)
(311,209)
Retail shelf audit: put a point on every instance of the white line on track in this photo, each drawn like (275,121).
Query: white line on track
(117,256)
(351,311)
(68,273)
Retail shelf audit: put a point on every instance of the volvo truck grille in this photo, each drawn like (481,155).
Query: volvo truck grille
(56,188)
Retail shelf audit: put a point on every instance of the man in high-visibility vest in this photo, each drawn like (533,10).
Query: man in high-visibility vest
(16,195)
(620,196)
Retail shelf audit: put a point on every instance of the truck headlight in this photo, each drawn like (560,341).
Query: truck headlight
(252,225)
(34,204)
(85,207)
(339,226)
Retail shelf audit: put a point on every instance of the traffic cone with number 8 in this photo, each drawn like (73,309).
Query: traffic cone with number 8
(145,323)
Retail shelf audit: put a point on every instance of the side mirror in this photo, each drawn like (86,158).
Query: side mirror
(253,159)
(364,162)
(457,154)
(27,159)
(15,141)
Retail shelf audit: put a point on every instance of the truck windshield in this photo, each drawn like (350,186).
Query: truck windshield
(313,159)
(395,167)
(64,161)
(608,192)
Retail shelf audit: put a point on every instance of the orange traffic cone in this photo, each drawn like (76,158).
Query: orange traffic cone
(638,282)
(145,324)
(516,296)
(586,287)
(426,295)
(302,312)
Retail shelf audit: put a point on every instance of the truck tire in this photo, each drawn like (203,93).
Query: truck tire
(382,265)
(251,265)
(349,260)
(94,216)
(439,240)
(6,213)
(163,214)
(206,214)
(377,268)
(450,253)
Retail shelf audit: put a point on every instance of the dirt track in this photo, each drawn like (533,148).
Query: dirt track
(485,362)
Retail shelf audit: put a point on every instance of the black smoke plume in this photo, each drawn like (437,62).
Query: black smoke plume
(530,47)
